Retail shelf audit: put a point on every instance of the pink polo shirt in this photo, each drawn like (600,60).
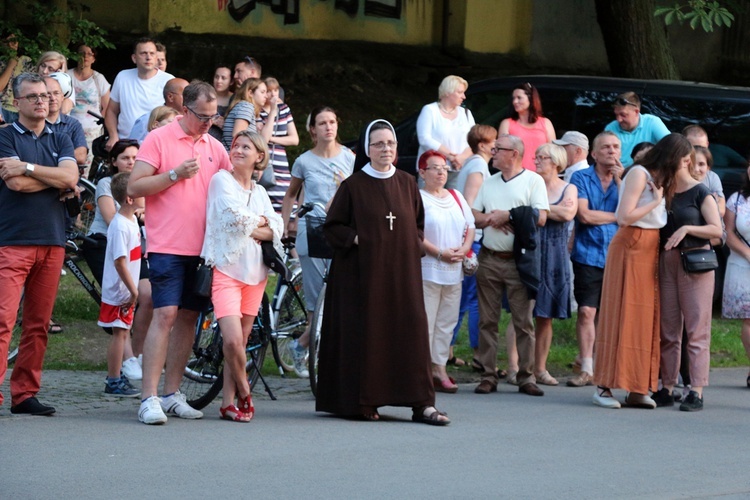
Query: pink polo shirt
(176,217)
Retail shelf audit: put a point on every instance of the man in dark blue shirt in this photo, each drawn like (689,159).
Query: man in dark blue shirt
(36,164)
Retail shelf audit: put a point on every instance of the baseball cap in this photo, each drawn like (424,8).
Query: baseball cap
(574,138)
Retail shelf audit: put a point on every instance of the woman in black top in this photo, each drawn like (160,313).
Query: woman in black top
(693,219)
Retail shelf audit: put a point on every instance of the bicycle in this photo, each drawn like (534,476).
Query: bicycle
(318,248)
(72,255)
(203,378)
(99,167)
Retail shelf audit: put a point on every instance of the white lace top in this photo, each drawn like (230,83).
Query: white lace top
(232,214)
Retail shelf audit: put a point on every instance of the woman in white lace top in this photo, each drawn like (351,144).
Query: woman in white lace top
(239,217)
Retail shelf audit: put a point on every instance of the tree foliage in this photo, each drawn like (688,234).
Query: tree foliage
(57,26)
(703,13)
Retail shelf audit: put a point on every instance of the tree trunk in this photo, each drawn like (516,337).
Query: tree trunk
(635,40)
(58,29)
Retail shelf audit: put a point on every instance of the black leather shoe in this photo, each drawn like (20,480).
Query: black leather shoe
(531,389)
(32,406)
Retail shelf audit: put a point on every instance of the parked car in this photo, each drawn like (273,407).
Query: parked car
(584,103)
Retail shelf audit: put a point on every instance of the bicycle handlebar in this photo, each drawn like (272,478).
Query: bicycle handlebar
(99,118)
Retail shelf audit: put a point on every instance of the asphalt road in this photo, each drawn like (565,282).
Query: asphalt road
(501,445)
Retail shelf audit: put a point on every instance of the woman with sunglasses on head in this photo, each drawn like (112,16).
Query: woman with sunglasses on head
(121,159)
(54,62)
(527,122)
(374,345)
(244,110)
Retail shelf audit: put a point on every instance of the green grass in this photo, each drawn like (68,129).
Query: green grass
(83,344)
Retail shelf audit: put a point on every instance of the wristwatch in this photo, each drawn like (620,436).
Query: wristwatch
(29,169)
(172,175)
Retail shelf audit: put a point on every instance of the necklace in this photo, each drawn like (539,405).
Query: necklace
(442,108)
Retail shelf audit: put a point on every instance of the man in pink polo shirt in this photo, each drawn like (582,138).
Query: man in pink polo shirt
(172,170)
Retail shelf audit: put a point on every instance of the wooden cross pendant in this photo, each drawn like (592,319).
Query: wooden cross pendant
(390,218)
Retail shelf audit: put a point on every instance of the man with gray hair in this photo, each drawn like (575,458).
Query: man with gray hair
(513,187)
(577,147)
(172,170)
(37,164)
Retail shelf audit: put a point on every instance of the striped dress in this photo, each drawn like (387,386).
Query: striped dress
(277,155)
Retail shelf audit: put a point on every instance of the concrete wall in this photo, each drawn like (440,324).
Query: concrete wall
(318,20)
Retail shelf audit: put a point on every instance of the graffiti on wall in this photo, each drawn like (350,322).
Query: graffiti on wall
(239,9)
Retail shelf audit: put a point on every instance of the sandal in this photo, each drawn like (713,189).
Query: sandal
(371,414)
(545,378)
(476,365)
(54,327)
(246,406)
(456,361)
(421,416)
(512,378)
(449,386)
(234,414)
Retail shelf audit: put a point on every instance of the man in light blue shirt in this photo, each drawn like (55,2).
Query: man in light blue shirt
(632,127)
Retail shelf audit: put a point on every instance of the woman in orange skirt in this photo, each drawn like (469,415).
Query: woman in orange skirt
(627,339)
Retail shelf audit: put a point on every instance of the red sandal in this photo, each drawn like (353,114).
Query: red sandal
(234,414)
(246,406)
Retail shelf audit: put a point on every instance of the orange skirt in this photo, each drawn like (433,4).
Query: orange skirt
(627,335)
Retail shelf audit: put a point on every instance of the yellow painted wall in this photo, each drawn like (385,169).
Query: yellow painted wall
(319,20)
(498,26)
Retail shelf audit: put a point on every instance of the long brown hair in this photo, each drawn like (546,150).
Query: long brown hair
(535,102)
(245,93)
(664,159)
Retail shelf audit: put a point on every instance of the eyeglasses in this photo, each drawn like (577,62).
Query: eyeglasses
(382,145)
(621,101)
(439,170)
(542,158)
(36,98)
(496,149)
(204,118)
(56,93)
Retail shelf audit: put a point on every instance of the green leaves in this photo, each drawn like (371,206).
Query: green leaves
(705,13)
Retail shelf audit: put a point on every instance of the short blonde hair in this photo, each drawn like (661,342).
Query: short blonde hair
(158,114)
(260,145)
(557,154)
(53,56)
(449,84)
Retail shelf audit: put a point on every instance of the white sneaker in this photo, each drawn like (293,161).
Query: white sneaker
(299,355)
(131,369)
(605,399)
(176,404)
(151,412)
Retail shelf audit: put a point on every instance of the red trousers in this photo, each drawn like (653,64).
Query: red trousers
(35,272)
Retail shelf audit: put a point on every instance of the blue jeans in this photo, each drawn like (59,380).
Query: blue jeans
(470,304)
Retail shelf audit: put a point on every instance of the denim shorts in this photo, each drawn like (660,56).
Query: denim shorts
(172,281)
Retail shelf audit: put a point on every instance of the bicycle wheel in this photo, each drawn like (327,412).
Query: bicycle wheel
(291,320)
(15,337)
(203,369)
(314,347)
(88,205)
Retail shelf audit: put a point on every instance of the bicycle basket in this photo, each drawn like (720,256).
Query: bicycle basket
(317,246)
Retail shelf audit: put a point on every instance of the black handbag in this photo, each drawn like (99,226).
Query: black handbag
(274,262)
(699,261)
(203,280)
(317,245)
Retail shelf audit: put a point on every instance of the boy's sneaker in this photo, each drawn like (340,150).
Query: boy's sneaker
(299,355)
(120,387)
(692,402)
(177,405)
(150,411)
(662,397)
(131,369)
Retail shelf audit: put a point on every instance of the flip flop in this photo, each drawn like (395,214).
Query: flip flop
(54,328)
(476,365)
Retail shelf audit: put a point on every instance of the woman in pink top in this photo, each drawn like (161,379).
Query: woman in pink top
(527,123)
